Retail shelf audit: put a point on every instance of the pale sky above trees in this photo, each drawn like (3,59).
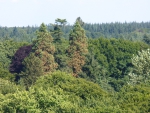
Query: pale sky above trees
(34,12)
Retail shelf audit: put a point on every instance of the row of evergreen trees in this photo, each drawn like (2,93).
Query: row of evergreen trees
(131,31)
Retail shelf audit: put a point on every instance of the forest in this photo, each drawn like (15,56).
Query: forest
(80,68)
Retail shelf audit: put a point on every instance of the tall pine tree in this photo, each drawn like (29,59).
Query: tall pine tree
(77,49)
(44,49)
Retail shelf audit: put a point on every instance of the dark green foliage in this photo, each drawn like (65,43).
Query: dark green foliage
(92,69)
(132,31)
(80,21)
(61,21)
(31,69)
(116,54)
(57,33)
(61,45)
(146,39)
(113,56)
(95,72)
(60,55)
(19,34)
(42,28)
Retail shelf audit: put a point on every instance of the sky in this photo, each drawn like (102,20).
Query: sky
(34,12)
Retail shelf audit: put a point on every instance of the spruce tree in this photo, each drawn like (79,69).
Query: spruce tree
(61,45)
(44,49)
(57,33)
(77,49)
(80,21)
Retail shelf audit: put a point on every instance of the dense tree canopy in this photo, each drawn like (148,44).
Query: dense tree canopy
(111,71)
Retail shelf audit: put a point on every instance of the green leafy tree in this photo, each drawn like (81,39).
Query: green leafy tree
(114,55)
(141,69)
(77,49)
(44,49)
(31,70)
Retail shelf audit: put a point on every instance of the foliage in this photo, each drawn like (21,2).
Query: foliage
(95,72)
(102,70)
(62,93)
(21,101)
(71,94)
(44,49)
(132,31)
(58,92)
(16,65)
(61,45)
(77,49)
(5,74)
(57,33)
(7,51)
(80,21)
(61,55)
(141,69)
(7,87)
(146,39)
(60,79)
(31,69)
(134,98)
(114,58)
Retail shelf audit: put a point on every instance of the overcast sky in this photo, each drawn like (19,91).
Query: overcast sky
(34,12)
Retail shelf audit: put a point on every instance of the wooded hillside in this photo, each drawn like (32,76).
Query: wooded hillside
(80,68)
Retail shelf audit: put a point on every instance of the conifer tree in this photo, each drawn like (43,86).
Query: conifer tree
(61,44)
(77,49)
(57,33)
(80,21)
(44,49)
